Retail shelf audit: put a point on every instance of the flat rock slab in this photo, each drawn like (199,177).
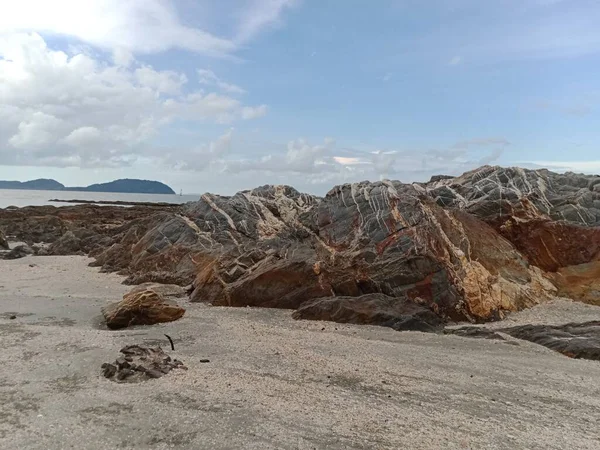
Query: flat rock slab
(575,340)
(140,363)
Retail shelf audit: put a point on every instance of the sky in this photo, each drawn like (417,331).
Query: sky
(222,96)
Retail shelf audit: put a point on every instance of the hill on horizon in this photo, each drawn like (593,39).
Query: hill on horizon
(125,185)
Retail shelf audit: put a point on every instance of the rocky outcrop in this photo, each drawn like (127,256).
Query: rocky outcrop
(490,192)
(473,247)
(3,241)
(275,247)
(141,307)
(94,227)
(372,309)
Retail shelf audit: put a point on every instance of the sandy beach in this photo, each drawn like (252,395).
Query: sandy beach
(272,382)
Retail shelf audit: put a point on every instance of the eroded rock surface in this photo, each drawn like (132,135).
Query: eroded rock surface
(371,309)
(141,307)
(576,340)
(140,363)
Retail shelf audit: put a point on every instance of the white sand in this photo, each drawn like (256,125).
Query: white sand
(272,382)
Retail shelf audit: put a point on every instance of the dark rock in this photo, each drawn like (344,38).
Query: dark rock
(13,317)
(373,309)
(20,251)
(67,244)
(109,370)
(203,360)
(576,340)
(140,363)
(141,308)
(474,332)
(3,241)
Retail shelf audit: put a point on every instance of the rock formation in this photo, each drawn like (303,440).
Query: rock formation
(141,307)
(471,247)
(3,241)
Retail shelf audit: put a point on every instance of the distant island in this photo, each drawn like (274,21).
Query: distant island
(126,185)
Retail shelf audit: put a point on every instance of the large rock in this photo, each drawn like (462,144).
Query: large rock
(489,192)
(371,309)
(145,307)
(3,241)
(20,251)
(575,340)
(275,247)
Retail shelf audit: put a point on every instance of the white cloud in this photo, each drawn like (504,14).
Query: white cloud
(166,82)
(455,61)
(143,26)
(83,136)
(260,14)
(254,112)
(208,78)
(481,142)
(573,166)
(57,109)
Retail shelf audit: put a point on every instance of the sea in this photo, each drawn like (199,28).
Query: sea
(21,198)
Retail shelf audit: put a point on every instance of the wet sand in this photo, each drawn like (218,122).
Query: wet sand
(272,382)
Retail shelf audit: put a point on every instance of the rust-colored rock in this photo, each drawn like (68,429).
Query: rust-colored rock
(145,307)
(580,282)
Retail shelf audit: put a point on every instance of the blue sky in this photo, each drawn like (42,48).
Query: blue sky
(222,96)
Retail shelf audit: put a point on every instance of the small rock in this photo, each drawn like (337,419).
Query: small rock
(152,373)
(13,317)
(109,370)
(205,360)
(124,373)
(122,363)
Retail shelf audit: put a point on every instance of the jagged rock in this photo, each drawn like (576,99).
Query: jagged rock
(468,248)
(275,247)
(3,241)
(140,363)
(145,307)
(489,192)
(67,244)
(576,340)
(20,251)
(371,309)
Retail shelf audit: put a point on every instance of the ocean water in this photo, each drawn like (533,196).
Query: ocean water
(22,198)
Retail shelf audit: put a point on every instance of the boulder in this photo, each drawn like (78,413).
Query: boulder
(67,244)
(145,307)
(3,241)
(371,309)
(20,251)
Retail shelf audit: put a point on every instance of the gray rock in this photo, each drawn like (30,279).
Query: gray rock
(3,241)
(20,251)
